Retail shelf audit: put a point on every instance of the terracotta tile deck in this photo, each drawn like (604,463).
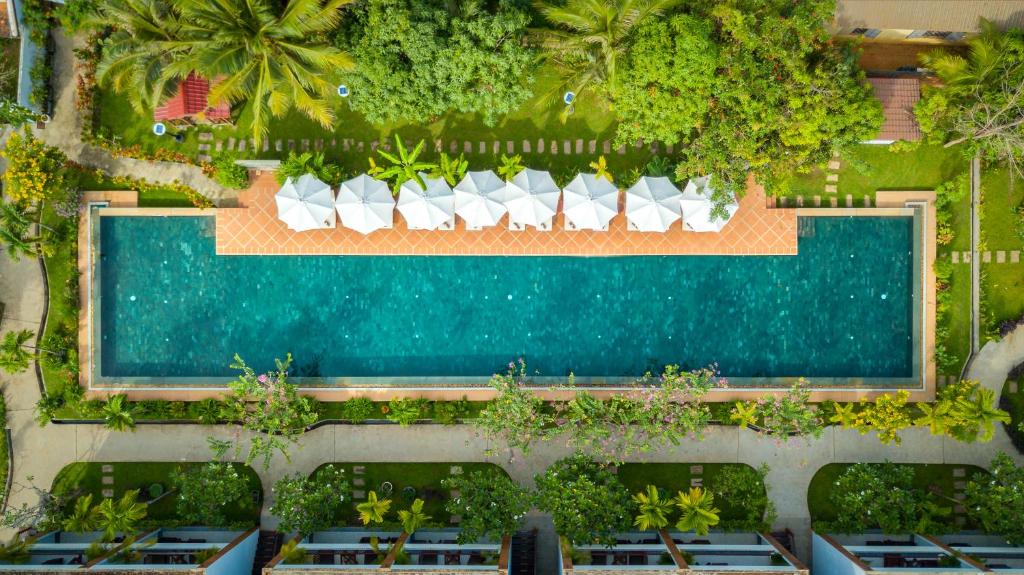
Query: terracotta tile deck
(253,229)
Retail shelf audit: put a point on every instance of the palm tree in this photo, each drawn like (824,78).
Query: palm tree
(14,354)
(116,415)
(15,223)
(121,516)
(373,510)
(414,517)
(979,411)
(590,36)
(274,59)
(404,164)
(937,416)
(845,415)
(698,511)
(744,413)
(84,517)
(136,55)
(601,168)
(653,509)
(510,166)
(982,64)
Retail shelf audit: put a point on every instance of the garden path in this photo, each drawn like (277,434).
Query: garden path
(65,132)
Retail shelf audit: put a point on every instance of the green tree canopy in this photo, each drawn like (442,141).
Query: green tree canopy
(995,501)
(308,504)
(491,504)
(205,491)
(421,59)
(883,496)
(587,502)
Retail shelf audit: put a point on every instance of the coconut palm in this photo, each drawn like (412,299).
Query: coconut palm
(14,354)
(937,416)
(744,413)
(414,517)
(600,167)
(15,223)
(653,509)
(697,511)
(373,510)
(590,36)
(116,414)
(84,517)
(979,412)
(146,38)
(982,64)
(121,515)
(404,164)
(272,58)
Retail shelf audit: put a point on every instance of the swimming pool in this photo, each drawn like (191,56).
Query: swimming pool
(166,308)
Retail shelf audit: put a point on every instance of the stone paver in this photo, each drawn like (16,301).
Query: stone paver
(526,146)
(986,257)
(831,189)
(832,178)
(1000,257)
(849,201)
(833,165)
(956,257)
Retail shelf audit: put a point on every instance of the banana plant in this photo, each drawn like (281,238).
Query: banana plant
(510,166)
(404,164)
(451,169)
(601,169)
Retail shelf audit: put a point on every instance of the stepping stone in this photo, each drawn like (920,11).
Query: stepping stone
(696,469)
(669,149)
(455,493)
(319,144)
(359,482)
(831,189)
(849,201)
(817,201)
(961,521)
(959,485)
(453,146)
(966,257)
(496,147)
(386,145)
(956,257)
(204,147)
(1000,257)
(455,470)
(510,147)
(526,146)
(696,482)
(374,145)
(241,145)
(107,468)
(334,142)
(986,257)
(567,147)
(621,151)
(204,158)
(834,202)
(252,144)
(218,145)
(359,470)
(782,202)
(291,145)
(455,519)
(1015,256)
(1012,388)
(206,137)
(835,154)
(833,165)
(231,143)
(832,178)
(108,493)
(592,146)
(959,472)
(606,147)
(438,145)
(346,144)
(467,147)
(108,480)
(278,146)
(483,147)
(867,201)
(266,145)
(959,496)
(358,494)
(554,148)
(579,146)
(360,146)
(639,144)
(959,509)
(799,201)
(654,147)
(540,146)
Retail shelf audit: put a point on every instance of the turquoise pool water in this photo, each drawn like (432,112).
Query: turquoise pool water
(170,307)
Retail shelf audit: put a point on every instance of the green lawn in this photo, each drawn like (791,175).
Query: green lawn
(157,196)
(425,478)
(958,319)
(61,268)
(675,477)
(927,476)
(868,168)
(1002,286)
(1000,197)
(84,478)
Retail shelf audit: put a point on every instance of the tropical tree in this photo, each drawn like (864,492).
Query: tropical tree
(135,57)
(845,415)
(588,38)
(994,499)
(373,509)
(510,166)
(937,416)
(310,503)
(877,496)
(450,168)
(587,502)
(490,503)
(697,511)
(272,56)
(404,164)
(83,517)
(117,415)
(744,413)
(977,415)
(14,354)
(516,416)
(205,491)
(600,167)
(652,510)
(414,517)
(35,172)
(887,415)
(121,515)
(316,163)
(17,240)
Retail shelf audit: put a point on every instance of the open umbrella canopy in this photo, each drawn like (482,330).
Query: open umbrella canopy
(426,209)
(531,198)
(478,199)
(590,202)
(652,204)
(365,204)
(699,214)
(305,204)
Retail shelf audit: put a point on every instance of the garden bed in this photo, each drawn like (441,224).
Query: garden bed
(424,478)
(87,478)
(10,54)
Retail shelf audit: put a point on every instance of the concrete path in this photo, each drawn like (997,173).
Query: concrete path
(65,132)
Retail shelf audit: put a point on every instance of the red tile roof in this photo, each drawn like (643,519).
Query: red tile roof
(898,96)
(191,100)
(6,13)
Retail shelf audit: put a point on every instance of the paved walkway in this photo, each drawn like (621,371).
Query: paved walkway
(65,129)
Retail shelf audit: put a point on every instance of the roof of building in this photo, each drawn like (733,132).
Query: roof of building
(191,100)
(7,24)
(898,97)
(940,15)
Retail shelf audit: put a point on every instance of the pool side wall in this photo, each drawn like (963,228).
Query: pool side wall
(475,388)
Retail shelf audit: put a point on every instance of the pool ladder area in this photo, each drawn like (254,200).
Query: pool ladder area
(805,227)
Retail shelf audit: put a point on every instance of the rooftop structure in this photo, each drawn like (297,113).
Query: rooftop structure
(190,104)
(8,20)
(683,553)
(898,97)
(934,21)
(878,553)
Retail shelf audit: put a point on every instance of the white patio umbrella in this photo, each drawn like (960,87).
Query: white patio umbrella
(305,203)
(652,204)
(478,199)
(365,204)
(698,207)
(426,209)
(590,202)
(531,198)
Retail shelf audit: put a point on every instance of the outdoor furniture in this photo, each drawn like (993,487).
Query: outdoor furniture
(699,210)
(531,199)
(478,199)
(589,203)
(428,558)
(430,208)
(305,204)
(365,204)
(652,205)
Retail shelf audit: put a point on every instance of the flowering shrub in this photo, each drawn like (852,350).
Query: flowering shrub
(883,496)
(205,491)
(995,501)
(587,502)
(887,415)
(516,416)
(491,505)
(782,416)
(308,504)
(35,171)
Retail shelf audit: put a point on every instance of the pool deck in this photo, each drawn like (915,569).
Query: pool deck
(253,229)
(887,204)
